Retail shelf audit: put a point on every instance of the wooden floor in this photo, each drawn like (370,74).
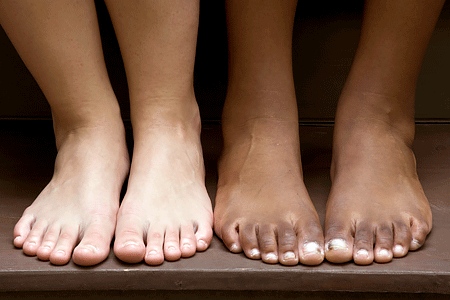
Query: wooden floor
(26,160)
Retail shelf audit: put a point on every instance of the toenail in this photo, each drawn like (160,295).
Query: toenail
(203,243)
(289,255)
(31,243)
(130,243)
(172,248)
(234,248)
(254,252)
(46,246)
(61,252)
(398,249)
(153,252)
(17,238)
(417,243)
(384,252)
(186,246)
(362,252)
(312,247)
(271,256)
(91,248)
(337,244)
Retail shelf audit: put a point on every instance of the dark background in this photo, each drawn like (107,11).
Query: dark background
(325,39)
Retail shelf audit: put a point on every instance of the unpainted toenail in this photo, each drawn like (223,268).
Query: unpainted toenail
(17,238)
(203,243)
(31,243)
(130,243)
(186,246)
(271,256)
(172,248)
(398,249)
(61,252)
(46,246)
(289,255)
(311,248)
(254,252)
(337,244)
(91,248)
(363,253)
(153,252)
(384,252)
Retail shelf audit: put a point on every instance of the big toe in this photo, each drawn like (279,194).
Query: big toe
(129,244)
(95,245)
(339,244)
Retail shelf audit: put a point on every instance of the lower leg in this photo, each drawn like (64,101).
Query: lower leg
(166,212)
(60,44)
(377,208)
(262,206)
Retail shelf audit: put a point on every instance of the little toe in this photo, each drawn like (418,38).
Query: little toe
(129,243)
(338,244)
(419,232)
(268,244)
(203,236)
(172,250)
(402,239)
(384,241)
(22,229)
(34,238)
(154,253)
(64,247)
(48,243)
(311,247)
(95,244)
(230,237)
(188,242)
(249,242)
(363,244)
(287,245)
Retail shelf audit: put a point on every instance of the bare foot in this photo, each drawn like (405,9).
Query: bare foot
(377,209)
(166,212)
(80,203)
(262,206)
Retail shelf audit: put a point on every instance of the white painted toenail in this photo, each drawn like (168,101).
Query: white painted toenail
(130,243)
(234,248)
(289,255)
(337,244)
(254,252)
(271,256)
(312,247)
(398,249)
(417,243)
(383,252)
(362,252)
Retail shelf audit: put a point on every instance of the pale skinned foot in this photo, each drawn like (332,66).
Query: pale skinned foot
(377,209)
(166,213)
(76,211)
(262,206)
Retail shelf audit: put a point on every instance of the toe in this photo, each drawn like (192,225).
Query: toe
(249,242)
(129,243)
(64,247)
(230,237)
(172,244)
(155,240)
(95,244)
(402,239)
(338,244)
(34,238)
(203,236)
(22,229)
(188,242)
(419,232)
(363,244)
(268,244)
(48,242)
(384,241)
(311,245)
(287,245)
